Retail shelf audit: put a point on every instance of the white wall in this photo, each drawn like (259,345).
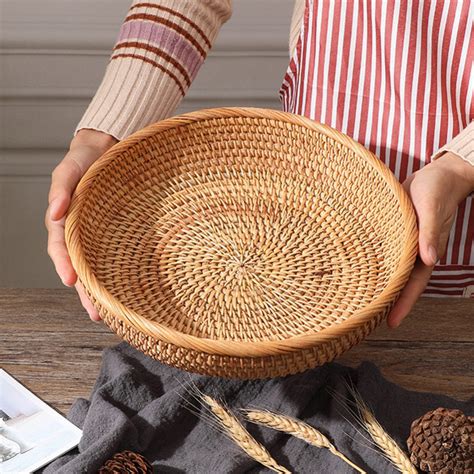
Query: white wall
(52,57)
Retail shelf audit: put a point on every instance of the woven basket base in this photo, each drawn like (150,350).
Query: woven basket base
(242,243)
(237,367)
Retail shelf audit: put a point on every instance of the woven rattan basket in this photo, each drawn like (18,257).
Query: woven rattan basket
(241,242)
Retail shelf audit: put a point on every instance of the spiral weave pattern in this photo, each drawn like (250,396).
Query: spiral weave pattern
(241,242)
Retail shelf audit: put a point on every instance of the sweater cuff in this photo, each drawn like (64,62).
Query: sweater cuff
(461,145)
(161,46)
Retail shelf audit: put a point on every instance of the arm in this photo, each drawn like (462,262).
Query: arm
(462,145)
(161,46)
(436,192)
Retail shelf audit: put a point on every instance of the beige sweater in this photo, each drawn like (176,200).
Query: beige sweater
(161,46)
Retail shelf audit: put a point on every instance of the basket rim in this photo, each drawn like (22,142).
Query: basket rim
(226,347)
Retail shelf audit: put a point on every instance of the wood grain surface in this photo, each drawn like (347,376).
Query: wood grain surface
(49,344)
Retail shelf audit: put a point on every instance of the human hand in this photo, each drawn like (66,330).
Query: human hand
(436,191)
(86,147)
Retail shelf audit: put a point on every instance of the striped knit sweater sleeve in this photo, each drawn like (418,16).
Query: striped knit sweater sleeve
(461,145)
(160,48)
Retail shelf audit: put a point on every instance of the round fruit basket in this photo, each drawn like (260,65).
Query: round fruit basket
(241,242)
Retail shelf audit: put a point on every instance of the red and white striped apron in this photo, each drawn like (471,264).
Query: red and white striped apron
(398,77)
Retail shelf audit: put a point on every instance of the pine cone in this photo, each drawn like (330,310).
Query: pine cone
(442,441)
(126,462)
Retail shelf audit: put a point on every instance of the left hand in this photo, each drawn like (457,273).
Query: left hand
(436,191)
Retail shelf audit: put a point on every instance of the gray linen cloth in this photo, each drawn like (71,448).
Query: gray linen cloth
(139,404)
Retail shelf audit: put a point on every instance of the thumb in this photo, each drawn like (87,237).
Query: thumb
(64,180)
(429,226)
(85,149)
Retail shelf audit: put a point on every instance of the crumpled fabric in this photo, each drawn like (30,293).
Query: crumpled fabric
(142,405)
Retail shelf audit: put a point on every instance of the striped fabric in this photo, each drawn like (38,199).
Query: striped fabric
(398,77)
(152,34)
(159,50)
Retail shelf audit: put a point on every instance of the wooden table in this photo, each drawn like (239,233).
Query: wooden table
(51,346)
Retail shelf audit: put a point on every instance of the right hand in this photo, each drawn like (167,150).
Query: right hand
(86,147)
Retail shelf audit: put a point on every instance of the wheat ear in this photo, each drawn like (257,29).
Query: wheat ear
(296,428)
(242,437)
(382,439)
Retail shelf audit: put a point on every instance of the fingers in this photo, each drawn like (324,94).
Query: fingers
(58,252)
(87,304)
(414,288)
(433,194)
(85,149)
(64,180)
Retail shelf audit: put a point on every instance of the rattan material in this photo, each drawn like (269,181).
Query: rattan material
(241,242)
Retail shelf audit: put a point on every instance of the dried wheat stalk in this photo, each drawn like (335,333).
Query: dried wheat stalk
(382,439)
(296,428)
(242,437)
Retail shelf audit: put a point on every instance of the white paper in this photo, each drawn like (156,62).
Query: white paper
(32,433)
